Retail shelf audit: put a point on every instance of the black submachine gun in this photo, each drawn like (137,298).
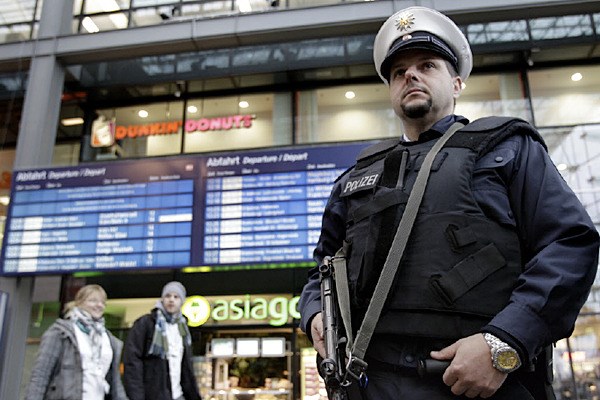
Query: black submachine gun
(332,367)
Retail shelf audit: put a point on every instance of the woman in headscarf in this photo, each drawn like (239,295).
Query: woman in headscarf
(78,358)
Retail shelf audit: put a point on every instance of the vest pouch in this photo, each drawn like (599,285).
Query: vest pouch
(464,286)
(466,274)
(372,232)
(456,264)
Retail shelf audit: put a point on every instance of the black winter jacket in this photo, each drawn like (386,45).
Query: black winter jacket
(146,377)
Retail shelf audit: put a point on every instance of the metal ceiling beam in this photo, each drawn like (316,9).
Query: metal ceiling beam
(260,28)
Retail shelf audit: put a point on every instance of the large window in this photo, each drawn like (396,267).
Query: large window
(360,112)
(238,122)
(576,152)
(19,19)
(493,94)
(7,158)
(210,124)
(102,15)
(576,361)
(566,96)
(12,89)
(143,130)
(345,113)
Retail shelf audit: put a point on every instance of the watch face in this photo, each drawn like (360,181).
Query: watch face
(507,359)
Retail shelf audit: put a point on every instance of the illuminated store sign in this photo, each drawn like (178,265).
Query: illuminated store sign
(275,311)
(191,126)
(156,128)
(5,178)
(219,123)
(103,132)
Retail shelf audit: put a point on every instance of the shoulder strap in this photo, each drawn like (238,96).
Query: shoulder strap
(377,148)
(483,134)
(375,152)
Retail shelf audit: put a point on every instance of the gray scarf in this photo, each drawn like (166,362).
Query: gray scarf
(94,328)
(160,346)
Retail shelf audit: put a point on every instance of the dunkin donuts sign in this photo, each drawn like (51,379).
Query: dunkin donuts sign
(225,123)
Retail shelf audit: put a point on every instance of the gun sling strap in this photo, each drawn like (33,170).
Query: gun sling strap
(358,346)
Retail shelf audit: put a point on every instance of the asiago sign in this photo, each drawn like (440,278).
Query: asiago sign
(275,311)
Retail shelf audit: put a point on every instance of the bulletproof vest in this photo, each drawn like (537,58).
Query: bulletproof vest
(459,267)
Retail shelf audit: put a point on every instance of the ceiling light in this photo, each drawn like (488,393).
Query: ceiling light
(4,200)
(244,5)
(192,109)
(244,104)
(72,121)
(143,114)
(350,95)
(561,167)
(89,25)
(120,20)
(576,77)
(108,5)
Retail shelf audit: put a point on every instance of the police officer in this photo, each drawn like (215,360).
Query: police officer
(501,256)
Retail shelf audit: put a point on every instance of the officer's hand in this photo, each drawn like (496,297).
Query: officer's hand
(316,331)
(471,372)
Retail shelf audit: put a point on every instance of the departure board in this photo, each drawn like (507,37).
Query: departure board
(229,209)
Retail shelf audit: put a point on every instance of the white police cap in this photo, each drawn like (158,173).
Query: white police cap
(421,28)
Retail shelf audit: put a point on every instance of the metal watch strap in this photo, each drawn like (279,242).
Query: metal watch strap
(496,345)
(494,342)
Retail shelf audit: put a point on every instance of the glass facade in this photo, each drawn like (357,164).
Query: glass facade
(577,360)
(576,152)
(271,95)
(7,158)
(12,89)
(19,20)
(560,106)
(98,15)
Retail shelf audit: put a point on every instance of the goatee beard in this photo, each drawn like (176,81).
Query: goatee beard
(417,110)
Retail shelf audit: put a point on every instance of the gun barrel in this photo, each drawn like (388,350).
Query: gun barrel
(330,367)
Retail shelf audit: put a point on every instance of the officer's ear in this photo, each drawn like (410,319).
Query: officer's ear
(457,86)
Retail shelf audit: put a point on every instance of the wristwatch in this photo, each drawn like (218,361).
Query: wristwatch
(504,358)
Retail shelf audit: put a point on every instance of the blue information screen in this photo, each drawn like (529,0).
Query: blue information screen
(251,207)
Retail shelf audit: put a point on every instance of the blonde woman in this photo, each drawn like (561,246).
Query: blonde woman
(78,358)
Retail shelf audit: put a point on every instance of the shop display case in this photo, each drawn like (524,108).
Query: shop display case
(249,394)
(220,376)
(312,385)
(203,370)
